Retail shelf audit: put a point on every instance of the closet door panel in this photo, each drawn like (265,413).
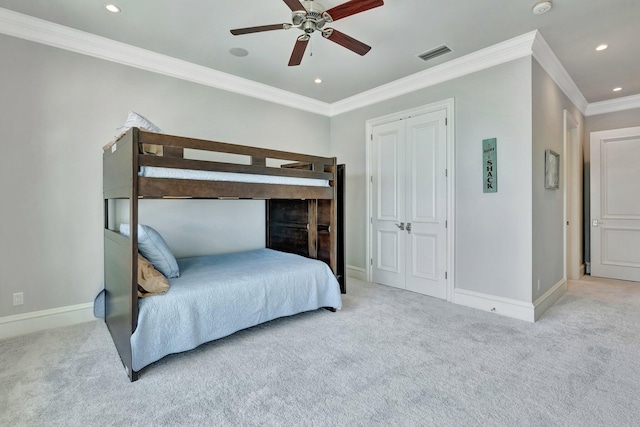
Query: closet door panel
(388,176)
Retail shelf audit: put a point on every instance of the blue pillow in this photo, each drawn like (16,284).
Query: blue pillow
(152,246)
(98,305)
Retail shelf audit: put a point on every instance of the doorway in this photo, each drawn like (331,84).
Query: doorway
(573,202)
(410,188)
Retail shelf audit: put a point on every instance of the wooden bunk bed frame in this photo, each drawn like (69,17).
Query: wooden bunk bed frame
(305,220)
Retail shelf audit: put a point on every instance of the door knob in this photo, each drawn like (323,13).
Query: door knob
(409,227)
(400,226)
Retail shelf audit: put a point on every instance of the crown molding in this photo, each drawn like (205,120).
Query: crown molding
(517,47)
(550,63)
(44,32)
(613,105)
(40,31)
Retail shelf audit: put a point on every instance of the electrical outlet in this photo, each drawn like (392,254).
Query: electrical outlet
(18,298)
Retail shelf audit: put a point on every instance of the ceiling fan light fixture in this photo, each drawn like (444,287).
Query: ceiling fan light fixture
(317,80)
(617,89)
(309,27)
(602,47)
(541,7)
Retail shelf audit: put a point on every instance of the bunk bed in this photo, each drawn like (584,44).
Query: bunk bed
(304,210)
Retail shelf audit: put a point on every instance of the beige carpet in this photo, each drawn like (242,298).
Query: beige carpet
(390,357)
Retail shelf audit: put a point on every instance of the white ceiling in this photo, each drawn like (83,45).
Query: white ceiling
(198,31)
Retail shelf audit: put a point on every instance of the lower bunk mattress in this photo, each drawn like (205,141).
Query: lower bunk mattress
(218,295)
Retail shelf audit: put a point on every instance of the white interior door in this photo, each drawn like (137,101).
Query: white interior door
(388,223)
(615,204)
(426,209)
(409,204)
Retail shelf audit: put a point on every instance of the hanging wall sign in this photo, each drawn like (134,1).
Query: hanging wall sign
(490,165)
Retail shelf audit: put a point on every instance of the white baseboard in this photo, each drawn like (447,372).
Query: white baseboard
(526,311)
(504,306)
(22,324)
(356,272)
(549,298)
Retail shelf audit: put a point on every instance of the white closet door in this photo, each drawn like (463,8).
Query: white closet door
(426,189)
(409,204)
(388,177)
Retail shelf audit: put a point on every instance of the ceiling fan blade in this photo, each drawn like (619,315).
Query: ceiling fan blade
(298,50)
(352,7)
(346,41)
(294,5)
(250,30)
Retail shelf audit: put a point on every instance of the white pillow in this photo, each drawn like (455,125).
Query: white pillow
(135,120)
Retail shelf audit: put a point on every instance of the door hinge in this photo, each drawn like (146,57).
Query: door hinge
(446,224)
(371,178)
(445,275)
(446,121)
(371,136)
(446,172)
(371,261)
(370,220)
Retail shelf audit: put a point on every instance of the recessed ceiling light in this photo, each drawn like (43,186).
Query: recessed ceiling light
(542,7)
(602,47)
(238,51)
(112,8)
(617,89)
(318,80)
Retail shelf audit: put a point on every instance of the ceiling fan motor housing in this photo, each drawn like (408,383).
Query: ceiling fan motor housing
(313,7)
(312,18)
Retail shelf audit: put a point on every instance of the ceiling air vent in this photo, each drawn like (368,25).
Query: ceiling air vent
(433,53)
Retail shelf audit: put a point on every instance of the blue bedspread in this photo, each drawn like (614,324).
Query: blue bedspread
(218,295)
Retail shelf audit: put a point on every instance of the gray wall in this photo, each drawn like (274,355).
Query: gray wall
(549,103)
(58,110)
(493,231)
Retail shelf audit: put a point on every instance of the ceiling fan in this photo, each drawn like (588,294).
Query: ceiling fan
(309,16)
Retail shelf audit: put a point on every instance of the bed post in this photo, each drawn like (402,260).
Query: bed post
(120,252)
(336,236)
(133,243)
(339,234)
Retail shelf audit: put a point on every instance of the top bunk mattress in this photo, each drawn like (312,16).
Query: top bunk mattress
(199,175)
